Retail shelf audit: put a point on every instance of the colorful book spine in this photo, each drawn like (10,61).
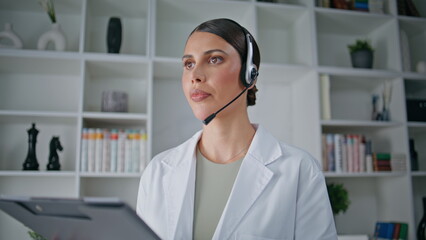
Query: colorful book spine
(114,147)
(330,152)
(84,149)
(98,149)
(106,151)
(91,150)
(350,153)
(338,156)
(122,136)
(362,155)
(324,161)
(128,163)
(390,230)
(143,150)
(135,151)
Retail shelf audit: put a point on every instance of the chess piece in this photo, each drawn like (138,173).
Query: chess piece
(53,163)
(31,160)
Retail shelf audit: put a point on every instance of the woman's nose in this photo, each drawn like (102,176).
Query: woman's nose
(198,75)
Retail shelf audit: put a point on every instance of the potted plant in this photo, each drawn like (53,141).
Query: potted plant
(361,54)
(339,198)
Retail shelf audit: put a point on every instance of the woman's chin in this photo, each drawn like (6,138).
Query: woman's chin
(202,115)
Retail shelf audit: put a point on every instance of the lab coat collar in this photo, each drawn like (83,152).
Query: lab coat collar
(251,180)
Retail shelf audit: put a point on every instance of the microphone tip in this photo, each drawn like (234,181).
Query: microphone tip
(209,119)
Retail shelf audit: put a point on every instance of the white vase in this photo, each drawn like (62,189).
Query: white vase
(56,36)
(11,36)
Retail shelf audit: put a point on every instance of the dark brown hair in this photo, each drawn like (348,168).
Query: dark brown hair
(234,34)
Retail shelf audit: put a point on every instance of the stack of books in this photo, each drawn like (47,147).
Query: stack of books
(353,153)
(113,150)
(390,231)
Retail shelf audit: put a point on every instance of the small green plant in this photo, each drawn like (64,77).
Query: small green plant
(360,45)
(339,198)
(36,236)
(48,6)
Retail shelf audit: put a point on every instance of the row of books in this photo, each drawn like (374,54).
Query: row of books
(353,153)
(361,5)
(390,231)
(113,150)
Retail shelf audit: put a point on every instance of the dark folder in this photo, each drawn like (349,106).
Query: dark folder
(82,218)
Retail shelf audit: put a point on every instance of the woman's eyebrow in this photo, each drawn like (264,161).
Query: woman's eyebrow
(205,53)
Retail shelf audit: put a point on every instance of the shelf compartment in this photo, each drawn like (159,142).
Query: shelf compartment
(414,31)
(279,30)
(15,146)
(111,187)
(24,82)
(175,21)
(351,97)
(134,17)
(129,77)
(336,30)
(373,199)
(68,15)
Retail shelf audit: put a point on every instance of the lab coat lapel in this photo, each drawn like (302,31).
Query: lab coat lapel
(179,185)
(253,177)
(249,185)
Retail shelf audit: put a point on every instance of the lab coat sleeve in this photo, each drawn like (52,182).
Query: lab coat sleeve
(314,218)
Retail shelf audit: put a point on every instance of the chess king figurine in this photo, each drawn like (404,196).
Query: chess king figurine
(31,160)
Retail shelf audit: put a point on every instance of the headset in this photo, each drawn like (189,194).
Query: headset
(248,73)
(249,70)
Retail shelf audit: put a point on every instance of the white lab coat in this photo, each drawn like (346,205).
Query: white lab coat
(279,193)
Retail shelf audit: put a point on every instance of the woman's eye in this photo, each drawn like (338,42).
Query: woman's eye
(215,60)
(188,64)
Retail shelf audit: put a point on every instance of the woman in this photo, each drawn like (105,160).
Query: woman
(233,179)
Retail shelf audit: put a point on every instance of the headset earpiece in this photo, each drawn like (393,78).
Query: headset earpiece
(251,72)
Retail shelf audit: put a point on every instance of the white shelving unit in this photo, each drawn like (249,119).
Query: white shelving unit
(299,41)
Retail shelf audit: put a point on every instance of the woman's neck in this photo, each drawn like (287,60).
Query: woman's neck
(226,140)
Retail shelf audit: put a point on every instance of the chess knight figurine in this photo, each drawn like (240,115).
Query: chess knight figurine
(54,164)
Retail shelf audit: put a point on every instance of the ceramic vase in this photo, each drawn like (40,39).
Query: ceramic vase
(9,35)
(54,35)
(114,33)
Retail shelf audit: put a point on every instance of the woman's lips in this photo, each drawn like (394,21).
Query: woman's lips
(198,95)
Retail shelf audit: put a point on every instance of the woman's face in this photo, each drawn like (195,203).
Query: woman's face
(210,78)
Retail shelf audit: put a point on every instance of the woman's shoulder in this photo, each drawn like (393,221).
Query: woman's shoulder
(297,158)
